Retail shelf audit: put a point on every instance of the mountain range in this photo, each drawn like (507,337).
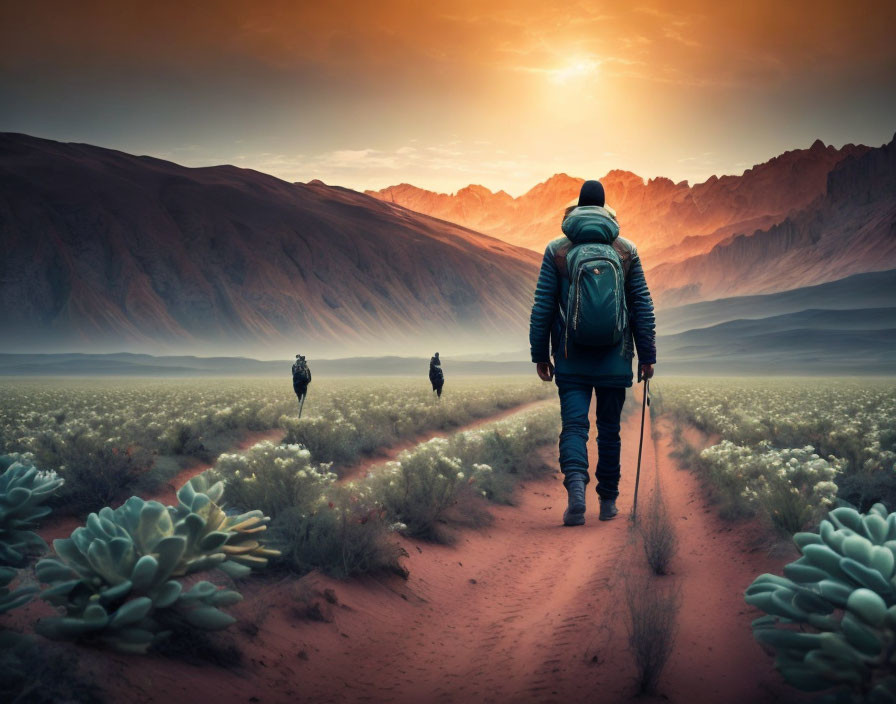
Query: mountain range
(668,221)
(103,249)
(805,217)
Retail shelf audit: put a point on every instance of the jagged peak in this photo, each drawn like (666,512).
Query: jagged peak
(818,144)
(475,189)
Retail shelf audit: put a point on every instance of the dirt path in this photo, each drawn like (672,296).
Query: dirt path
(390,452)
(522,611)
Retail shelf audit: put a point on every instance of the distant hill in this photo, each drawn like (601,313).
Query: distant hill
(872,290)
(126,364)
(104,249)
(809,342)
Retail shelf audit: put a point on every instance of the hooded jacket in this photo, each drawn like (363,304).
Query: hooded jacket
(602,366)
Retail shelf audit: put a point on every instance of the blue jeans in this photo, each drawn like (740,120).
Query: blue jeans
(575,401)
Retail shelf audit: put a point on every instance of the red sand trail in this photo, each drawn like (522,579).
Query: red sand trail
(523,610)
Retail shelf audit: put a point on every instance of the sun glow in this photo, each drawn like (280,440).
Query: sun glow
(576,70)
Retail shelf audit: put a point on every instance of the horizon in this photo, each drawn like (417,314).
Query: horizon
(494,94)
(492,189)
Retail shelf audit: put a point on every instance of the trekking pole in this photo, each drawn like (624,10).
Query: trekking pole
(645,401)
(301,405)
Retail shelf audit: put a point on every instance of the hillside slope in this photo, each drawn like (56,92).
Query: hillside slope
(101,247)
(858,292)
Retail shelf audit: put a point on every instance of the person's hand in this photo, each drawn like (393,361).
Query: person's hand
(646,371)
(545,371)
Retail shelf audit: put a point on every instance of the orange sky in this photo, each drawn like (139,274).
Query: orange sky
(441,94)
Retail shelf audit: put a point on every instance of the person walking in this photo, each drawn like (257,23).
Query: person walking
(592,309)
(301,377)
(436,376)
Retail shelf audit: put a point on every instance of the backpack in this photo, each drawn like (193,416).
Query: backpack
(595,314)
(300,372)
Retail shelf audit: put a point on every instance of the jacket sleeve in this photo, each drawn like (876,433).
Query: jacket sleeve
(544,309)
(640,308)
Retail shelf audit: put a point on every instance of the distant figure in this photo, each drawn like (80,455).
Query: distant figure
(436,376)
(301,377)
(592,311)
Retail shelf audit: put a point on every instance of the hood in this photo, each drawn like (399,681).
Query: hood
(590,223)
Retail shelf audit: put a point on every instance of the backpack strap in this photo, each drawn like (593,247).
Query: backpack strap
(560,258)
(624,248)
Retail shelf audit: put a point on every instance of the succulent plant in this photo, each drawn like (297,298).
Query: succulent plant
(832,618)
(115,577)
(23,490)
(242,548)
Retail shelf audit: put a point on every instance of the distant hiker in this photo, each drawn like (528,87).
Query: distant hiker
(301,377)
(436,376)
(591,305)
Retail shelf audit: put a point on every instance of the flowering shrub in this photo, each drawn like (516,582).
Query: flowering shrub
(794,487)
(345,533)
(104,436)
(844,429)
(272,478)
(378,413)
(436,482)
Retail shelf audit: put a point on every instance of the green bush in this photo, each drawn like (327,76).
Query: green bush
(440,482)
(273,478)
(98,471)
(420,488)
(116,577)
(341,536)
(832,618)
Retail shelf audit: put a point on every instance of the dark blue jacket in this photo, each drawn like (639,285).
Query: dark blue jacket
(602,366)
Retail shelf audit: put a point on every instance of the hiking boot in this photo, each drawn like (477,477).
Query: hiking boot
(574,515)
(608,509)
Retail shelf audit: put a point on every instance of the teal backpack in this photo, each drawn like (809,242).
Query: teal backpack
(595,314)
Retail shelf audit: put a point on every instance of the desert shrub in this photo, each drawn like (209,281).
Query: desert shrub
(831,619)
(343,535)
(506,451)
(331,439)
(420,487)
(652,623)
(35,672)
(116,578)
(443,481)
(364,419)
(273,478)
(657,534)
(792,488)
(864,489)
(98,471)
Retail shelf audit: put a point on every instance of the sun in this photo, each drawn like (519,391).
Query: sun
(579,68)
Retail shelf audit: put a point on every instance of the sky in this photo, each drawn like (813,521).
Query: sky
(441,95)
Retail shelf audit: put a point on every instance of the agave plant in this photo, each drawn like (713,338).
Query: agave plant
(23,490)
(832,618)
(116,577)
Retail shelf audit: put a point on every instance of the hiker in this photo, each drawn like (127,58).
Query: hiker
(436,376)
(301,377)
(591,306)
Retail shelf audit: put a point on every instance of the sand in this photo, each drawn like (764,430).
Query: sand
(524,610)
